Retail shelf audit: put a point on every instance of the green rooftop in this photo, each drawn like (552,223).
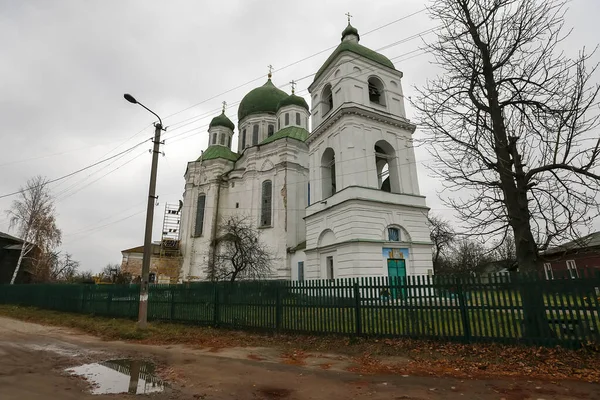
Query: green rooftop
(221,120)
(292,132)
(354,47)
(293,100)
(215,151)
(263,99)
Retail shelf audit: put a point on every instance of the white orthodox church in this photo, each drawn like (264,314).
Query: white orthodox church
(339,201)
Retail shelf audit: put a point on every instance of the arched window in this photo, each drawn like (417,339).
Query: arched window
(327,102)
(266,203)
(229,142)
(214,139)
(270,130)
(199,215)
(376,91)
(386,167)
(222,139)
(255,135)
(243,139)
(287,119)
(298,118)
(328,173)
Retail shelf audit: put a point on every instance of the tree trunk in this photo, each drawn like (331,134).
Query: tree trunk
(24,251)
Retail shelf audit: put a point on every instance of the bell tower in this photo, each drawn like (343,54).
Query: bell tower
(363,176)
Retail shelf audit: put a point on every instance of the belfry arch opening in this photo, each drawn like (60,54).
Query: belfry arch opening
(328,173)
(386,167)
(376,94)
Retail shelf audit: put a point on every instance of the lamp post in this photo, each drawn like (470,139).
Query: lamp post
(143,310)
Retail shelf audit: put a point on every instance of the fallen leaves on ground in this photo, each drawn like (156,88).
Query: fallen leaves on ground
(368,355)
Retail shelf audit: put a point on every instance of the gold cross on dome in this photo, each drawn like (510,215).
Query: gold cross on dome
(349,16)
(224,106)
(293,83)
(270,70)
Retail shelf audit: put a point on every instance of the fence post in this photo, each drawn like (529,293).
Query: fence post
(357,309)
(278,309)
(108,307)
(462,302)
(216,305)
(172,304)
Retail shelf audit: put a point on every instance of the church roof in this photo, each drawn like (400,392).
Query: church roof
(213,152)
(350,30)
(221,120)
(294,100)
(353,47)
(263,99)
(292,132)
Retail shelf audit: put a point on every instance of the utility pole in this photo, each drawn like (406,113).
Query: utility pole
(143,309)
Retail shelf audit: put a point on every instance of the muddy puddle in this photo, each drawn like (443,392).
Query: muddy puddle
(120,376)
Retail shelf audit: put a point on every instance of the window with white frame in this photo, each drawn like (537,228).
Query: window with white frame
(548,271)
(393,234)
(572,268)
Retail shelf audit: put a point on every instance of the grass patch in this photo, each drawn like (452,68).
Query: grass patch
(426,357)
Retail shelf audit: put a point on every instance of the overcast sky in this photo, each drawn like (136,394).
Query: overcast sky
(65,65)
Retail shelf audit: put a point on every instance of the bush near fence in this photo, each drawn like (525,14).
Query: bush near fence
(465,309)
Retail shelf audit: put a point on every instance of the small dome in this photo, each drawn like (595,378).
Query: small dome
(350,30)
(263,99)
(293,100)
(221,120)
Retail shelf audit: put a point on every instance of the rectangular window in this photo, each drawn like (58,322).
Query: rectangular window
(222,139)
(266,204)
(270,130)
(229,142)
(394,234)
(200,215)
(287,119)
(214,141)
(301,271)
(548,271)
(278,123)
(254,135)
(572,267)
(329,262)
(243,139)
(298,119)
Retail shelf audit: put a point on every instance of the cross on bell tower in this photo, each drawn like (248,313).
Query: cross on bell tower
(224,106)
(270,70)
(349,16)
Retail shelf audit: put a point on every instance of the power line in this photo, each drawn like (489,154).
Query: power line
(294,63)
(75,172)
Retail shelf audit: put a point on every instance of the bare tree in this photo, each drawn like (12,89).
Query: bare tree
(63,268)
(33,216)
(112,272)
(442,236)
(239,252)
(511,123)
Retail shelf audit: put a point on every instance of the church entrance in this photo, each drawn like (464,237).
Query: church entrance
(396,274)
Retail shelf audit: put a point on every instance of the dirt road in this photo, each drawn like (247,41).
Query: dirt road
(35,362)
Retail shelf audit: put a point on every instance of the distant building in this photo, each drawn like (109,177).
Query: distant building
(572,257)
(10,249)
(164,266)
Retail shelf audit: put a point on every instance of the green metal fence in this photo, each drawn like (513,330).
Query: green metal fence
(515,308)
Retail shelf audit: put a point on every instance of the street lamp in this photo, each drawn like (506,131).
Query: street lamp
(143,310)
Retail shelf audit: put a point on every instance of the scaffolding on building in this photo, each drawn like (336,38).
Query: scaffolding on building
(170,242)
